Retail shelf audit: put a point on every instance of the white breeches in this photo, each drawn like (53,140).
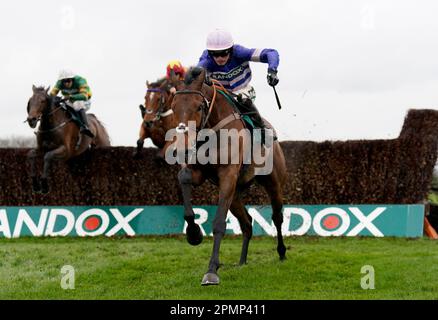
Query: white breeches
(80,105)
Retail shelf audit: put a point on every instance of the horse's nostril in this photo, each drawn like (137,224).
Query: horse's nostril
(181,128)
(32,122)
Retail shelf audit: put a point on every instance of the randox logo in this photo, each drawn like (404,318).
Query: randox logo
(334,221)
(330,221)
(62,222)
(321,220)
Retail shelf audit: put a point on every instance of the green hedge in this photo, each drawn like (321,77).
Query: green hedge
(331,172)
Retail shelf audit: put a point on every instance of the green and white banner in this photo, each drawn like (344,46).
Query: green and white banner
(322,220)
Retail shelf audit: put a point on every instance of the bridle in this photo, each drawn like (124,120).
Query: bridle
(207,106)
(206,109)
(159,113)
(60,105)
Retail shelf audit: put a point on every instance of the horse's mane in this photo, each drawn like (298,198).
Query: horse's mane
(158,83)
(192,75)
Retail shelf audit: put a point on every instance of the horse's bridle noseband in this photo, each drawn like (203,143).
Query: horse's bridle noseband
(59,105)
(205,106)
(159,113)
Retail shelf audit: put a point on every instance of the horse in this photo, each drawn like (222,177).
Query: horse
(157,116)
(58,136)
(200,102)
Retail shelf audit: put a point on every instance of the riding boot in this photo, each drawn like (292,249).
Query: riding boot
(256,118)
(84,127)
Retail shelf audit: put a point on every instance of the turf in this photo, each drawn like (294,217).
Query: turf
(168,268)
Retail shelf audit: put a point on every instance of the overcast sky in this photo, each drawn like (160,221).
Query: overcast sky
(348,69)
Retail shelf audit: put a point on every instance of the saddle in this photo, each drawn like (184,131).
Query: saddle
(244,109)
(241,108)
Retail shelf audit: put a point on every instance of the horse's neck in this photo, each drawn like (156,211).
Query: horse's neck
(167,104)
(221,108)
(52,117)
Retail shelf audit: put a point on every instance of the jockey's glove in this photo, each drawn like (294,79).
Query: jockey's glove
(272,77)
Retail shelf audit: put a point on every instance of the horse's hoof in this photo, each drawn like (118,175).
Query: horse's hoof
(194,235)
(281,252)
(210,279)
(44,186)
(36,185)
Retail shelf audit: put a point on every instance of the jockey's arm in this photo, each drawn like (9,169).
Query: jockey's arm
(84,93)
(55,90)
(269,56)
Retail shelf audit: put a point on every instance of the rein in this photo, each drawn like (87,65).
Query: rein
(205,117)
(63,124)
(209,105)
(206,105)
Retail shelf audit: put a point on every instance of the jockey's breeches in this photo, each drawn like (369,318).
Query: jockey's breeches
(80,105)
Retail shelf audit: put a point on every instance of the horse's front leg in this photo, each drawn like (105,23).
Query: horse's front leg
(32,157)
(227,186)
(140,142)
(187,177)
(60,153)
(161,154)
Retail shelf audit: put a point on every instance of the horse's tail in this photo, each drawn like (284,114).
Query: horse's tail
(102,138)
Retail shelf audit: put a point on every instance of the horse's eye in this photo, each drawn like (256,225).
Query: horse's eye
(149,111)
(200,107)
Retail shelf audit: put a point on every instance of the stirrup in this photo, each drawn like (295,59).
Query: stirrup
(86,131)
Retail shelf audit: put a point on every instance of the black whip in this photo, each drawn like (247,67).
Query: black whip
(278,99)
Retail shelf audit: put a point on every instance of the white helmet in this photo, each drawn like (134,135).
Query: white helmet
(66,74)
(219,39)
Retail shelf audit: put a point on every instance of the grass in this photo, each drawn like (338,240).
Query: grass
(168,268)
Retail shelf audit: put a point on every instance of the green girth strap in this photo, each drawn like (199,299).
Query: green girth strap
(247,119)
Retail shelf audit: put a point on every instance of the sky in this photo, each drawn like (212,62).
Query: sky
(348,69)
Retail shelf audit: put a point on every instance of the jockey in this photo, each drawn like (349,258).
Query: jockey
(76,90)
(178,69)
(228,63)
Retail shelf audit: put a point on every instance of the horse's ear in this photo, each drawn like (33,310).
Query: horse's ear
(47,90)
(34,89)
(198,77)
(147,83)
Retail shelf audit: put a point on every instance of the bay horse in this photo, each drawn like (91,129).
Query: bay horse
(58,136)
(200,102)
(157,116)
